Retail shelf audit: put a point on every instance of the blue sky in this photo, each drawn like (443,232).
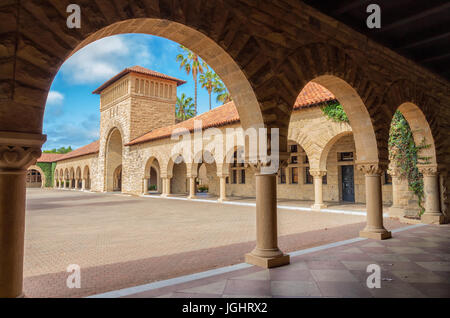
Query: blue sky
(72,115)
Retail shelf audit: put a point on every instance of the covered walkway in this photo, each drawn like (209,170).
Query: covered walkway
(414,263)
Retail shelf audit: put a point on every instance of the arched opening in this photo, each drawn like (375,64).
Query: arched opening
(413,166)
(152,178)
(117,179)
(177,168)
(207,181)
(66,178)
(78,179)
(35,177)
(113,165)
(72,178)
(86,178)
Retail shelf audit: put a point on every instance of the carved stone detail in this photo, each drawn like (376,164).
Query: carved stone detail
(317,173)
(428,170)
(372,169)
(19,150)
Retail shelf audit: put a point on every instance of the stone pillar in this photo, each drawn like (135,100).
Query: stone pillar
(223,188)
(83,184)
(266,253)
(433,214)
(17,152)
(318,191)
(374,202)
(192,192)
(55,185)
(145,186)
(397,209)
(165,186)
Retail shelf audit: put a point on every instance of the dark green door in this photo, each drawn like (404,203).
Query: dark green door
(348,185)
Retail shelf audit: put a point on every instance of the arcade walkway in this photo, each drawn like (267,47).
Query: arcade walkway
(414,263)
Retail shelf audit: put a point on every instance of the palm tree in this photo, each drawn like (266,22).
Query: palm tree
(190,62)
(184,108)
(223,95)
(209,80)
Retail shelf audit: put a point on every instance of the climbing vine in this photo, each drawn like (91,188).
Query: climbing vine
(48,171)
(406,155)
(402,148)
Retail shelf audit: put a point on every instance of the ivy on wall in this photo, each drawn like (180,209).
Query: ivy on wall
(402,148)
(405,153)
(47,168)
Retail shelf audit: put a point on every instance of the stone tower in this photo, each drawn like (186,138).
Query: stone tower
(137,100)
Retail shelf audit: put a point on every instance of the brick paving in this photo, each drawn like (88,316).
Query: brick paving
(121,241)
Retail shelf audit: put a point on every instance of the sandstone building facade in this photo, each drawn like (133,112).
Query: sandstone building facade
(134,153)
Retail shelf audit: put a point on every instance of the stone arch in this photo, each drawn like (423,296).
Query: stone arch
(152,173)
(41,172)
(87,177)
(309,145)
(326,149)
(113,157)
(204,35)
(78,177)
(178,170)
(344,77)
(419,109)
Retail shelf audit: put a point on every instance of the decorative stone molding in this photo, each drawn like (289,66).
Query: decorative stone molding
(19,150)
(428,170)
(317,173)
(372,168)
(257,164)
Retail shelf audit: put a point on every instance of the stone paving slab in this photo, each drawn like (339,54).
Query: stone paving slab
(309,275)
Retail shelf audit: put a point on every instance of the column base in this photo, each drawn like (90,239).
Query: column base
(396,212)
(376,235)
(267,262)
(433,218)
(192,197)
(318,206)
(222,200)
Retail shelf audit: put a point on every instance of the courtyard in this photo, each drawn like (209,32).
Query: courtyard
(121,241)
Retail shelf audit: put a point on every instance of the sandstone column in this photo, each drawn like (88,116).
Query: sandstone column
(192,194)
(223,189)
(165,186)
(83,184)
(396,210)
(318,191)
(55,185)
(433,214)
(145,186)
(266,253)
(374,203)
(17,152)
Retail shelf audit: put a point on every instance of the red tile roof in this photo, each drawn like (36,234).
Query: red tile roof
(91,148)
(312,94)
(138,70)
(49,157)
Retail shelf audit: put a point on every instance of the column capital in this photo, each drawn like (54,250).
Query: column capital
(318,173)
(371,168)
(19,150)
(266,166)
(428,170)
(394,171)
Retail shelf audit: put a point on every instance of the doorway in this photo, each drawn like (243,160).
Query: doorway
(348,184)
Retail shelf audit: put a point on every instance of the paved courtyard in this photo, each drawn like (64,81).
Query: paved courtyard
(121,241)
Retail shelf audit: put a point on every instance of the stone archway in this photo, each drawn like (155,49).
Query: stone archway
(113,160)
(152,176)
(117,179)
(35,177)
(86,178)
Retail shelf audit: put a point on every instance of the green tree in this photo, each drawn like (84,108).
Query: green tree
(223,95)
(184,108)
(60,150)
(209,80)
(191,63)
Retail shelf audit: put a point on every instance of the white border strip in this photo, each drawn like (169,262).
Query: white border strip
(283,207)
(226,269)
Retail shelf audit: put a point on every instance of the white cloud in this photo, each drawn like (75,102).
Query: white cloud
(104,58)
(55,98)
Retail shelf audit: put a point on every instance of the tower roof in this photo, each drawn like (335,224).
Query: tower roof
(137,70)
